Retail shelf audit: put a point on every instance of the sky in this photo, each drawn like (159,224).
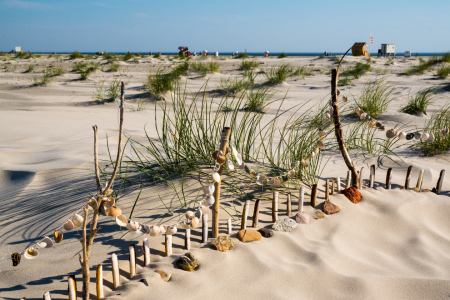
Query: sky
(224,26)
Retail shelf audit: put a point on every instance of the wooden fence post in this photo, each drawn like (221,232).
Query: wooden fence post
(288,205)
(408,177)
(72,287)
(255,214)
(99,282)
(168,245)
(132,258)
(313,195)
(338,184)
(301,199)
(229,227)
(146,248)
(347,182)
(361,178)
(439,182)
(327,190)
(187,239)
(115,271)
(333,186)
(372,176)
(245,214)
(204,228)
(275,207)
(216,206)
(388,178)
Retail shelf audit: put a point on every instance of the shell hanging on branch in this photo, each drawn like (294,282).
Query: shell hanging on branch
(92,204)
(363,116)
(402,135)
(108,192)
(121,221)
(291,173)
(320,144)
(417,135)
(261,179)
(109,202)
(344,98)
(359,111)
(114,211)
(443,132)
(372,123)
(210,200)
(230,165)
(46,242)
(305,163)
(431,138)
(77,220)
(68,226)
(194,222)
(172,229)
(390,133)
(154,230)
(216,177)
(184,225)
(409,136)
(31,253)
(209,189)
(133,226)
(237,156)
(253,173)
(15,257)
(58,236)
(425,136)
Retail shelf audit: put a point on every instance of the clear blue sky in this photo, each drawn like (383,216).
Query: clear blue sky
(283,25)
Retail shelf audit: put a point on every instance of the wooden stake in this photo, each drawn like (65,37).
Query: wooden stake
(275,207)
(168,245)
(361,178)
(347,182)
(132,259)
(99,282)
(288,205)
(313,195)
(338,184)
(420,180)
(216,206)
(408,177)
(372,176)
(256,214)
(439,182)
(187,239)
(388,178)
(46,296)
(115,271)
(245,215)
(333,186)
(327,190)
(301,199)
(337,124)
(229,227)
(72,287)
(204,228)
(146,250)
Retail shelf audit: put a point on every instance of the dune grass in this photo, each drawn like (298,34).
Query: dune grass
(282,55)
(279,74)
(85,69)
(419,102)
(375,97)
(30,69)
(258,99)
(344,81)
(233,85)
(443,70)
(114,67)
(303,72)
(242,55)
(357,71)
(427,65)
(53,71)
(127,56)
(204,67)
(157,55)
(249,64)
(76,54)
(160,82)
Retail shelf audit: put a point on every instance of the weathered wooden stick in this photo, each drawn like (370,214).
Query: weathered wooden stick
(301,199)
(327,190)
(244,216)
(204,228)
(115,271)
(146,250)
(439,182)
(216,205)
(419,180)
(288,205)
(361,178)
(168,245)
(72,287)
(347,182)
(313,195)
(372,176)
(333,186)
(229,227)
(408,177)
(275,207)
(256,214)
(388,178)
(337,124)
(132,258)
(46,296)
(338,184)
(187,239)
(99,282)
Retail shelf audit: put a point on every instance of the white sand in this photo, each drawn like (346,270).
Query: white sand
(392,245)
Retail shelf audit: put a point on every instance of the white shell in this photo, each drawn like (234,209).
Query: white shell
(237,156)
(139,232)
(47,242)
(261,178)
(121,221)
(189,214)
(216,177)
(291,173)
(417,135)
(109,202)
(154,230)
(31,253)
(210,200)
(133,226)
(305,163)
(68,226)
(363,116)
(171,230)
(425,136)
(209,189)
(77,220)
(41,245)
(402,135)
(443,132)
(312,154)
(431,138)
(274,182)
(184,225)
(163,229)
(230,165)
(205,209)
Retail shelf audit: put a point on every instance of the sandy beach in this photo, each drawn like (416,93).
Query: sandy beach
(392,245)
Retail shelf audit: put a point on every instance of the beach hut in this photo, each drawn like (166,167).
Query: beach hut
(407,54)
(359,49)
(387,49)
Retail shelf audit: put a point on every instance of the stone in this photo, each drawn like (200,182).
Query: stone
(267,233)
(352,194)
(301,218)
(223,244)
(187,262)
(319,215)
(164,276)
(248,235)
(330,208)
(285,225)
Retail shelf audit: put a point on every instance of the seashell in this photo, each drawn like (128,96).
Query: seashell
(48,243)
(210,189)
(114,211)
(291,173)
(163,229)
(216,177)
(68,226)
(382,128)
(237,156)
(172,229)
(409,136)
(443,132)
(378,124)
(390,133)
(372,123)
(431,138)
(41,245)
(228,151)
(359,111)
(230,165)
(77,220)
(305,163)
(109,202)
(108,192)
(417,135)
(145,228)
(92,203)
(184,225)
(121,221)
(274,182)
(328,115)
(194,222)
(216,167)
(312,154)
(344,98)
(58,236)
(252,173)
(261,179)
(133,226)
(189,214)
(425,136)
(102,210)
(139,232)
(15,257)
(402,135)
(221,159)
(338,91)
(247,169)
(216,154)
(320,144)
(198,213)
(316,151)
(205,209)
(31,253)
(210,200)
(321,138)
(363,116)
(154,230)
